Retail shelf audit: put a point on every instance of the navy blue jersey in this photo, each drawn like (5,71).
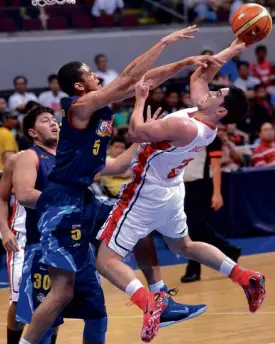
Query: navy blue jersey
(46,164)
(81,154)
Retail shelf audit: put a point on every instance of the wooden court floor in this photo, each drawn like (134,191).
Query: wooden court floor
(227,319)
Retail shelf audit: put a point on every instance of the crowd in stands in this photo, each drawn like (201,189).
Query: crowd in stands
(248,143)
(17,15)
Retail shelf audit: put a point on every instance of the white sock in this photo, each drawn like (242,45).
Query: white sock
(131,288)
(24,341)
(156,287)
(227,266)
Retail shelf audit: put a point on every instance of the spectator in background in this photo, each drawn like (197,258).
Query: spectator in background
(122,115)
(264,153)
(230,68)
(113,184)
(262,69)
(206,12)
(52,98)
(238,137)
(8,145)
(245,81)
(107,7)
(236,4)
(20,97)
(231,158)
(172,102)
(103,72)
(155,100)
(3,108)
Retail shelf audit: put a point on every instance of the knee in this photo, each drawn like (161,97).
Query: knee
(183,247)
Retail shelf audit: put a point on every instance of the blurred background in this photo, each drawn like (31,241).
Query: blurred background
(107,34)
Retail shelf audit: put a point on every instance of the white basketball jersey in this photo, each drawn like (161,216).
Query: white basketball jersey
(17,221)
(164,164)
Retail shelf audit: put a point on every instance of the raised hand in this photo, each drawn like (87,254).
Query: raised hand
(186,33)
(157,115)
(142,88)
(205,61)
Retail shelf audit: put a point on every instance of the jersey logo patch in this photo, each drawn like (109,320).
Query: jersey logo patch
(104,128)
(197,149)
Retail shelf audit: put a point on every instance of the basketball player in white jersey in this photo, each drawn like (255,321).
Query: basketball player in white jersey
(154,199)
(13,234)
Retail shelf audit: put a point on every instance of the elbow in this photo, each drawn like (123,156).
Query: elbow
(134,137)
(22,198)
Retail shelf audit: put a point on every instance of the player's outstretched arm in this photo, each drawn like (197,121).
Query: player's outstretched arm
(160,74)
(24,179)
(203,76)
(119,88)
(8,238)
(168,129)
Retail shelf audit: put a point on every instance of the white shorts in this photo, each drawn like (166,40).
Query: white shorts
(142,210)
(15,261)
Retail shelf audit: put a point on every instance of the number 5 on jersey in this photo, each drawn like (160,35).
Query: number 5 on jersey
(96,147)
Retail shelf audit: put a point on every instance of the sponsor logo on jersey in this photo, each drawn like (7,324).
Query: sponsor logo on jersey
(42,156)
(40,297)
(105,128)
(76,226)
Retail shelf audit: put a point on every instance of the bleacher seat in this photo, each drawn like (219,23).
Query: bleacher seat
(7,24)
(57,23)
(129,21)
(106,21)
(32,25)
(82,22)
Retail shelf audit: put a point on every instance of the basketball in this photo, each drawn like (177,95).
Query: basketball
(251,23)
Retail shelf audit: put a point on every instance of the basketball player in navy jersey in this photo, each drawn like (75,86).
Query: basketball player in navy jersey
(30,178)
(66,209)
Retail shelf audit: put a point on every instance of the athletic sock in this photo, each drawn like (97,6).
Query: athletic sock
(227,266)
(133,286)
(13,337)
(140,298)
(156,287)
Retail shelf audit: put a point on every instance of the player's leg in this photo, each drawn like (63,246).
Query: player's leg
(15,262)
(61,293)
(252,282)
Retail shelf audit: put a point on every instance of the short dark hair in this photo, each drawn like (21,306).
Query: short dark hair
(30,118)
(260,48)
(236,104)
(20,77)
(258,86)
(119,139)
(99,56)
(68,75)
(52,77)
(30,104)
(242,63)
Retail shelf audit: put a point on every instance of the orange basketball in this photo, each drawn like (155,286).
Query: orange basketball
(251,23)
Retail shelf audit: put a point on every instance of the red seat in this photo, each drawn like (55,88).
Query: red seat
(32,25)
(82,22)
(4,14)
(89,2)
(129,21)
(57,23)
(7,24)
(54,11)
(107,21)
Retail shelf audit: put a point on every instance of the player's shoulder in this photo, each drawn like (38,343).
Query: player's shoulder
(12,159)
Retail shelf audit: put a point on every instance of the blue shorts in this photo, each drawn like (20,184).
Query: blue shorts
(88,302)
(68,220)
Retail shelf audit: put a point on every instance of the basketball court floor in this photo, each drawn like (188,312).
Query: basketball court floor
(227,319)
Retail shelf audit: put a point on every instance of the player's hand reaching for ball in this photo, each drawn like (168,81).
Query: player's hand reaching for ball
(238,46)
(187,33)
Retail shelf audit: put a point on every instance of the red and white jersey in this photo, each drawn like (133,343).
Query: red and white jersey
(17,220)
(163,164)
